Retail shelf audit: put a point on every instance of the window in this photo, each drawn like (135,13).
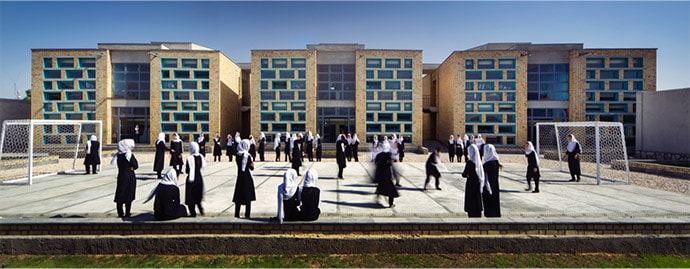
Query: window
(287,96)
(279,106)
(392,63)
(65,85)
(485,129)
(595,85)
(407,106)
(404,96)
(280,63)
(298,62)
(392,106)
(65,107)
(383,74)
(618,62)
(618,85)
(392,128)
(594,108)
(268,95)
(485,107)
(168,106)
(473,118)
(469,107)
(510,75)
(370,73)
(47,85)
(510,118)
(506,107)
(298,85)
(406,117)
(494,75)
(608,96)
(510,96)
(403,74)
(595,63)
(52,74)
(637,62)
(408,63)
(506,129)
(371,106)
(65,62)
(469,86)
(189,106)
(87,62)
(629,96)
(168,63)
(287,116)
(385,95)
(279,85)
(181,74)
(485,64)
(180,116)
(473,75)
(494,96)
(189,85)
(494,118)
(618,108)
(268,74)
(469,129)
(373,85)
(485,86)
(200,74)
(202,96)
(408,85)
(469,64)
(299,106)
(393,85)
(632,74)
(637,85)
(374,128)
(189,63)
(608,74)
(506,63)
(473,96)
(385,116)
(181,95)
(591,96)
(507,86)
(373,63)
(87,84)
(47,62)
(287,73)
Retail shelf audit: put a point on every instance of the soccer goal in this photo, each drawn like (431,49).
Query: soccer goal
(51,145)
(603,150)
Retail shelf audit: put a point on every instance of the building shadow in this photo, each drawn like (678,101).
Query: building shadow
(356,204)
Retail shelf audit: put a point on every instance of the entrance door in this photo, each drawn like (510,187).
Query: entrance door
(125,120)
(332,127)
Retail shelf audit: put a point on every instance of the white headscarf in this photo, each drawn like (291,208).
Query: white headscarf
(194,151)
(473,155)
(530,149)
(262,136)
(88,143)
(169,178)
(161,137)
(451,140)
(243,151)
(200,138)
(125,146)
(310,179)
(465,138)
(286,190)
(237,137)
(310,137)
(479,140)
(276,141)
(251,140)
(177,138)
(490,153)
(573,143)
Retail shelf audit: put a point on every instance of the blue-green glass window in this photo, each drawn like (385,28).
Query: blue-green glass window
(506,86)
(301,74)
(385,95)
(279,106)
(373,63)
(91,74)
(65,62)
(404,96)
(510,75)
(618,85)
(298,62)
(298,106)
(370,73)
(169,63)
(65,84)
(47,85)
(408,85)
(204,106)
(268,95)
(469,86)
(385,117)
(302,95)
(608,118)
(181,73)
(287,116)
(169,127)
(298,84)
(189,63)
(87,84)
(469,107)
(264,85)
(385,74)
(264,63)
(591,96)
(510,118)
(407,107)
(473,118)
(473,96)
(87,62)
(87,107)
(169,106)
(494,96)
(301,116)
(618,62)
(485,86)
(165,116)
(165,95)
(392,63)
(65,107)
(192,106)
(408,63)
(165,73)
(485,64)
(189,84)
(637,85)
(595,62)
(485,129)
(485,107)
(392,106)
(372,106)
(287,73)
(280,63)
(268,74)
(205,63)
(637,62)
(287,96)
(373,128)
(494,118)
(506,107)
(52,74)
(608,96)
(47,62)
(392,127)
(393,85)
(506,63)
(264,127)
(201,95)
(617,108)
(608,74)
(506,129)
(201,74)
(373,85)
(632,74)
(279,127)
(370,95)
(180,116)
(405,117)
(189,127)
(469,129)
(595,85)
(473,75)
(279,85)
(370,116)
(264,105)
(403,74)
(469,64)
(494,75)
(510,96)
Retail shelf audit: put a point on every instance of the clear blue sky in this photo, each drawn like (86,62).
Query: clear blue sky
(437,28)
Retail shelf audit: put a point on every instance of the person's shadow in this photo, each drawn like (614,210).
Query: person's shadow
(357,204)
(143,217)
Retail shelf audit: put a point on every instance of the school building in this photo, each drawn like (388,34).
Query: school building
(499,90)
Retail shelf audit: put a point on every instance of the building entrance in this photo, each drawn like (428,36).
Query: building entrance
(125,119)
(332,121)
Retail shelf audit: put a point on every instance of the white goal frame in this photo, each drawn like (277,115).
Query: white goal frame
(30,137)
(561,141)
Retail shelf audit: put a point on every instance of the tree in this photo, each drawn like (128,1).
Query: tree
(28,95)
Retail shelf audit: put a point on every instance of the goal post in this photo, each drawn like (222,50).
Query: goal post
(603,151)
(25,143)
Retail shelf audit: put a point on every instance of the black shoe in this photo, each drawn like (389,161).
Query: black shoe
(572,180)
(398,185)
(578,179)
(535,191)
(438,188)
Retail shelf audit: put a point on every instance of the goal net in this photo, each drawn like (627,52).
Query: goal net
(33,147)
(602,144)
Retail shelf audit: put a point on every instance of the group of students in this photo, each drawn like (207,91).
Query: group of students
(231,145)
(459,147)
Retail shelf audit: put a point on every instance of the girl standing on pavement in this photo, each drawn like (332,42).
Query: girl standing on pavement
(126,178)
(532,167)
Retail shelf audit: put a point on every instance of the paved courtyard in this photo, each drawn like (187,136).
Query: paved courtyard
(73,194)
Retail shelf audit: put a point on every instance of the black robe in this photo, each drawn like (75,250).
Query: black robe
(159,159)
(217,149)
(492,206)
(126,179)
(297,154)
(252,151)
(310,149)
(431,169)
(451,150)
(574,164)
(531,164)
(194,191)
(176,157)
(93,158)
(291,208)
(384,175)
(202,147)
(310,204)
(244,186)
(318,149)
(459,151)
(473,196)
(340,154)
(167,205)
(262,148)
